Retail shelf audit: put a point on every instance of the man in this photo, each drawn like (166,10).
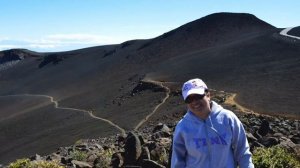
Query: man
(208,136)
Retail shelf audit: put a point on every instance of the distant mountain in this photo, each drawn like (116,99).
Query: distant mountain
(235,52)
(212,30)
(16,54)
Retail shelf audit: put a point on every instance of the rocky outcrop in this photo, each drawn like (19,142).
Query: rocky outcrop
(151,150)
(9,58)
(16,54)
(143,85)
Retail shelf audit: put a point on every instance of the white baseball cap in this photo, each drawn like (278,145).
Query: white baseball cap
(193,86)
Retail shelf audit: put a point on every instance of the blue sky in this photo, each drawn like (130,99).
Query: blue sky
(61,25)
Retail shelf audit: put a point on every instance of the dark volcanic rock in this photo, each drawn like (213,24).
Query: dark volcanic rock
(264,128)
(145,153)
(296,139)
(133,149)
(269,141)
(157,152)
(146,86)
(161,127)
(16,54)
(117,160)
(81,164)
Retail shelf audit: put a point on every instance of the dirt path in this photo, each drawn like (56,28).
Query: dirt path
(156,107)
(73,109)
(56,105)
(230,100)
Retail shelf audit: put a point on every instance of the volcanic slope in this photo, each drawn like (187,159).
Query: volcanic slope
(295,31)
(235,52)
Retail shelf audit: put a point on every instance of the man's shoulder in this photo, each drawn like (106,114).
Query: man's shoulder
(181,122)
(184,121)
(225,113)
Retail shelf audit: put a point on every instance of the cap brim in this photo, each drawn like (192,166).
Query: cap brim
(200,91)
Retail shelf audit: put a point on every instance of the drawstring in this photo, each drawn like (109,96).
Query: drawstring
(212,128)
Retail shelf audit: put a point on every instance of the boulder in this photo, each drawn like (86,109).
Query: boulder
(269,141)
(161,127)
(80,164)
(117,160)
(295,139)
(290,145)
(35,157)
(161,134)
(66,160)
(264,128)
(257,135)
(54,156)
(145,153)
(133,149)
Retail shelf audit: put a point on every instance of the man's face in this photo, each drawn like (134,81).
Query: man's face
(199,104)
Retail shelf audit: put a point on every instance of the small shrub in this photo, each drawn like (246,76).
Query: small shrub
(78,155)
(104,158)
(20,163)
(274,157)
(45,164)
(25,163)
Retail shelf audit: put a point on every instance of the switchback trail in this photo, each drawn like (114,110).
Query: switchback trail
(56,105)
(73,109)
(156,107)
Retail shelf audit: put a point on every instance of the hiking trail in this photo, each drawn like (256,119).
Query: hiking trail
(56,105)
(157,106)
(73,109)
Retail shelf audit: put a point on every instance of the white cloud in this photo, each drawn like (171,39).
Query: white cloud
(79,39)
(58,42)
(7,46)
(42,46)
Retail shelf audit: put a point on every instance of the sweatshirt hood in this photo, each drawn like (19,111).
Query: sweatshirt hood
(215,108)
